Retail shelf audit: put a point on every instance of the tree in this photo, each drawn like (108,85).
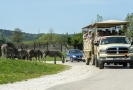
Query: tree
(77,40)
(129,32)
(49,37)
(99,18)
(2,37)
(63,39)
(68,41)
(17,36)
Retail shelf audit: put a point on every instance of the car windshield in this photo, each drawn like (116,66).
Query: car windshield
(75,51)
(112,40)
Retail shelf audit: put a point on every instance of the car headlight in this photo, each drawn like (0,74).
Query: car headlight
(73,56)
(130,49)
(102,51)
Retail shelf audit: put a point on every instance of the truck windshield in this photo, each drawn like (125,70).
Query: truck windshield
(112,40)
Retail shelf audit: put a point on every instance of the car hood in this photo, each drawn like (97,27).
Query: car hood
(77,54)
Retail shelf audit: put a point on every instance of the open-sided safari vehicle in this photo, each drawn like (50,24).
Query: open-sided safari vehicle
(108,44)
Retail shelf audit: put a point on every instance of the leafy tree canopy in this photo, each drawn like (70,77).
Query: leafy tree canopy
(17,36)
(49,37)
(77,40)
(129,18)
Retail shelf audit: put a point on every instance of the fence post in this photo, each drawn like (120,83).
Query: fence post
(54,60)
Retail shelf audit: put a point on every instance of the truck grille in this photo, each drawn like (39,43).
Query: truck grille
(117,50)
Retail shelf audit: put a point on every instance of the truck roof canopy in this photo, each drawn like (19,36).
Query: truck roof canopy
(107,24)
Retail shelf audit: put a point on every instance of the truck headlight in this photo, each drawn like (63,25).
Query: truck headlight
(102,51)
(131,50)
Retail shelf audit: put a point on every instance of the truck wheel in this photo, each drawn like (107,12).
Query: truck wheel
(101,64)
(96,61)
(124,64)
(93,59)
(87,61)
(131,65)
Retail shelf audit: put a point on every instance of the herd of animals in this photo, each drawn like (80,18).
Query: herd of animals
(8,50)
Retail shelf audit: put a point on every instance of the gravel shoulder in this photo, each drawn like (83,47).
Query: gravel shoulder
(78,71)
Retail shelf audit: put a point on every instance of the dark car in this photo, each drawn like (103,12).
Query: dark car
(74,55)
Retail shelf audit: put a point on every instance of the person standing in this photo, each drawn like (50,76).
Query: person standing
(89,35)
(85,35)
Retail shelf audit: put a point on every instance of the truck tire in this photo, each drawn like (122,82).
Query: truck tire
(96,61)
(124,64)
(131,64)
(93,59)
(101,64)
(87,61)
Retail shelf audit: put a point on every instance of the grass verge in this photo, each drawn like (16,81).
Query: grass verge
(18,70)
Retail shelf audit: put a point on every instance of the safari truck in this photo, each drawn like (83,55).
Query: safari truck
(108,44)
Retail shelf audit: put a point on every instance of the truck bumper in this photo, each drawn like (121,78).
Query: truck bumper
(117,61)
(116,58)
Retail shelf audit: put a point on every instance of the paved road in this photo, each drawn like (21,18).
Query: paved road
(110,78)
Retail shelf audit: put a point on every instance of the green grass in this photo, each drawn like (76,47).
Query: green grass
(18,70)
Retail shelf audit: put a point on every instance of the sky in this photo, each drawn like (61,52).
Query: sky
(60,16)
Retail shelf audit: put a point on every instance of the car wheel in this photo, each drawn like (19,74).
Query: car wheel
(66,60)
(71,59)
